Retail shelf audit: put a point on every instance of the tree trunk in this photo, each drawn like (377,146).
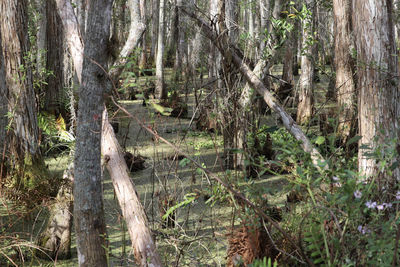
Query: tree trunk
(143,54)
(56,239)
(136,30)
(306,80)
(3,115)
(72,35)
(21,96)
(132,210)
(88,194)
(378,99)
(160,91)
(346,92)
(54,63)
(154,26)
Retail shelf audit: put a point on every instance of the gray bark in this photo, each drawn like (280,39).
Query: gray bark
(306,79)
(378,86)
(54,60)
(142,242)
(134,238)
(154,26)
(344,66)
(3,113)
(22,106)
(88,196)
(160,90)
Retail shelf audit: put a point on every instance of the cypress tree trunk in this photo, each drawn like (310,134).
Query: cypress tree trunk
(306,80)
(160,91)
(344,66)
(378,87)
(88,194)
(21,96)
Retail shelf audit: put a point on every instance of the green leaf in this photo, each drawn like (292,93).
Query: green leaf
(188,198)
(320,140)
(353,140)
(163,110)
(184,162)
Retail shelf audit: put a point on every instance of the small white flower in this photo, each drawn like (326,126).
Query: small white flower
(357,194)
(370,204)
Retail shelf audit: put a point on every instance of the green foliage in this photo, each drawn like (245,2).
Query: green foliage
(348,220)
(263,263)
(187,199)
(54,132)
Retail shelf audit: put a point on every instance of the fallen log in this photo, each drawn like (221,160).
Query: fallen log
(132,210)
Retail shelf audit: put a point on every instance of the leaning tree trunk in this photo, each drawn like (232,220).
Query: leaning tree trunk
(132,210)
(89,221)
(344,66)
(306,80)
(234,55)
(160,90)
(136,30)
(379,97)
(21,96)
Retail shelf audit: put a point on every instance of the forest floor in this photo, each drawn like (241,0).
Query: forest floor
(200,235)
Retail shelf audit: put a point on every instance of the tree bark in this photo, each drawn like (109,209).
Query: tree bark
(54,61)
(143,55)
(154,26)
(3,114)
(344,66)
(233,54)
(378,100)
(132,210)
(160,91)
(75,43)
(306,80)
(21,104)
(88,194)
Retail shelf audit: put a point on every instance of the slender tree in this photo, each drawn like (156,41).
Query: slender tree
(306,80)
(160,91)
(3,114)
(88,194)
(344,66)
(378,87)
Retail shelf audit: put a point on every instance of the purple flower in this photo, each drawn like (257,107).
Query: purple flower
(370,204)
(387,205)
(357,194)
(363,229)
(335,178)
(380,207)
(398,195)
